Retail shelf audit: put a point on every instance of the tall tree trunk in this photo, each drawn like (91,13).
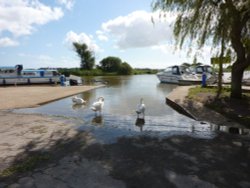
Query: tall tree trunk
(241,51)
(236,82)
(220,77)
(220,68)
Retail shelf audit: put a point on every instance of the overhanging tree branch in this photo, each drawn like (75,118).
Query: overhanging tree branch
(199,21)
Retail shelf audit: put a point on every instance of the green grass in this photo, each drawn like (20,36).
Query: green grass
(145,71)
(29,164)
(236,109)
(99,72)
(193,92)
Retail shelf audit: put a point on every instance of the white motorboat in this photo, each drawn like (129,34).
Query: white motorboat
(245,80)
(16,75)
(212,76)
(180,75)
(199,70)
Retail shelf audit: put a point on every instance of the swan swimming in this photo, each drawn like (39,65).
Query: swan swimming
(141,109)
(78,100)
(98,105)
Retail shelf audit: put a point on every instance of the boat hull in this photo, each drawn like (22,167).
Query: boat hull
(178,79)
(182,82)
(168,79)
(28,80)
(189,82)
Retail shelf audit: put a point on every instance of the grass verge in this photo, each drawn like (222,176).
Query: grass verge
(235,109)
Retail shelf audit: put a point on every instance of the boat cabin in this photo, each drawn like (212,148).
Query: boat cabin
(177,70)
(39,73)
(9,71)
(16,75)
(203,68)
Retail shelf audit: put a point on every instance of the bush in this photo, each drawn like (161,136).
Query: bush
(125,69)
(81,72)
(111,64)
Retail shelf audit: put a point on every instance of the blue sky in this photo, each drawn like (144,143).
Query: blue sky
(39,33)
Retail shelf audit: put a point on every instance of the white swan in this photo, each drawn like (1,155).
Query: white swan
(98,105)
(141,109)
(78,100)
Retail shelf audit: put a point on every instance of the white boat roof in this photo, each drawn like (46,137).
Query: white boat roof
(7,67)
(38,70)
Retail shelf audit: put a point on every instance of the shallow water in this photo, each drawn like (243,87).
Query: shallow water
(122,94)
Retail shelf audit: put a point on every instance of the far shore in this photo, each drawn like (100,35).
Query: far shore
(31,96)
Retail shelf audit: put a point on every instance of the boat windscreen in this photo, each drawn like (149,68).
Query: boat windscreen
(209,69)
(185,70)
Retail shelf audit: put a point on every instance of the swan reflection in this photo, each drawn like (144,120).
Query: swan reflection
(97,120)
(77,106)
(140,123)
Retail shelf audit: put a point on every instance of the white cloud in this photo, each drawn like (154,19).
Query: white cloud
(40,57)
(20,16)
(45,58)
(82,38)
(101,36)
(42,60)
(137,29)
(4,42)
(186,54)
(165,48)
(67,3)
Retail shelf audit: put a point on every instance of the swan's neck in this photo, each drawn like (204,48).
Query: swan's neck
(141,101)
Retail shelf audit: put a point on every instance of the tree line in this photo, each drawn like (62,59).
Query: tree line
(108,66)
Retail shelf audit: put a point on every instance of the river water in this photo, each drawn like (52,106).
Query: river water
(122,94)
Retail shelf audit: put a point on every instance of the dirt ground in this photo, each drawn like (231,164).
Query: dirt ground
(17,131)
(39,151)
(30,96)
(74,159)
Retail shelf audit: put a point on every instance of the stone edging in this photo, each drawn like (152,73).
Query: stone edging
(179,108)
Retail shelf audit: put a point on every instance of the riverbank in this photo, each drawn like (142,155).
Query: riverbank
(31,96)
(39,151)
(199,107)
(29,141)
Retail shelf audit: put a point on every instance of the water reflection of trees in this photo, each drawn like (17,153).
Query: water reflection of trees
(165,88)
(109,80)
(87,95)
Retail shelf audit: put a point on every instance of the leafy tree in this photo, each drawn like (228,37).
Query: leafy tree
(186,64)
(216,60)
(125,69)
(196,64)
(111,64)
(224,23)
(87,58)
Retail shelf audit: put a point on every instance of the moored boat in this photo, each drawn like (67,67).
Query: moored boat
(227,78)
(16,75)
(199,70)
(180,75)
